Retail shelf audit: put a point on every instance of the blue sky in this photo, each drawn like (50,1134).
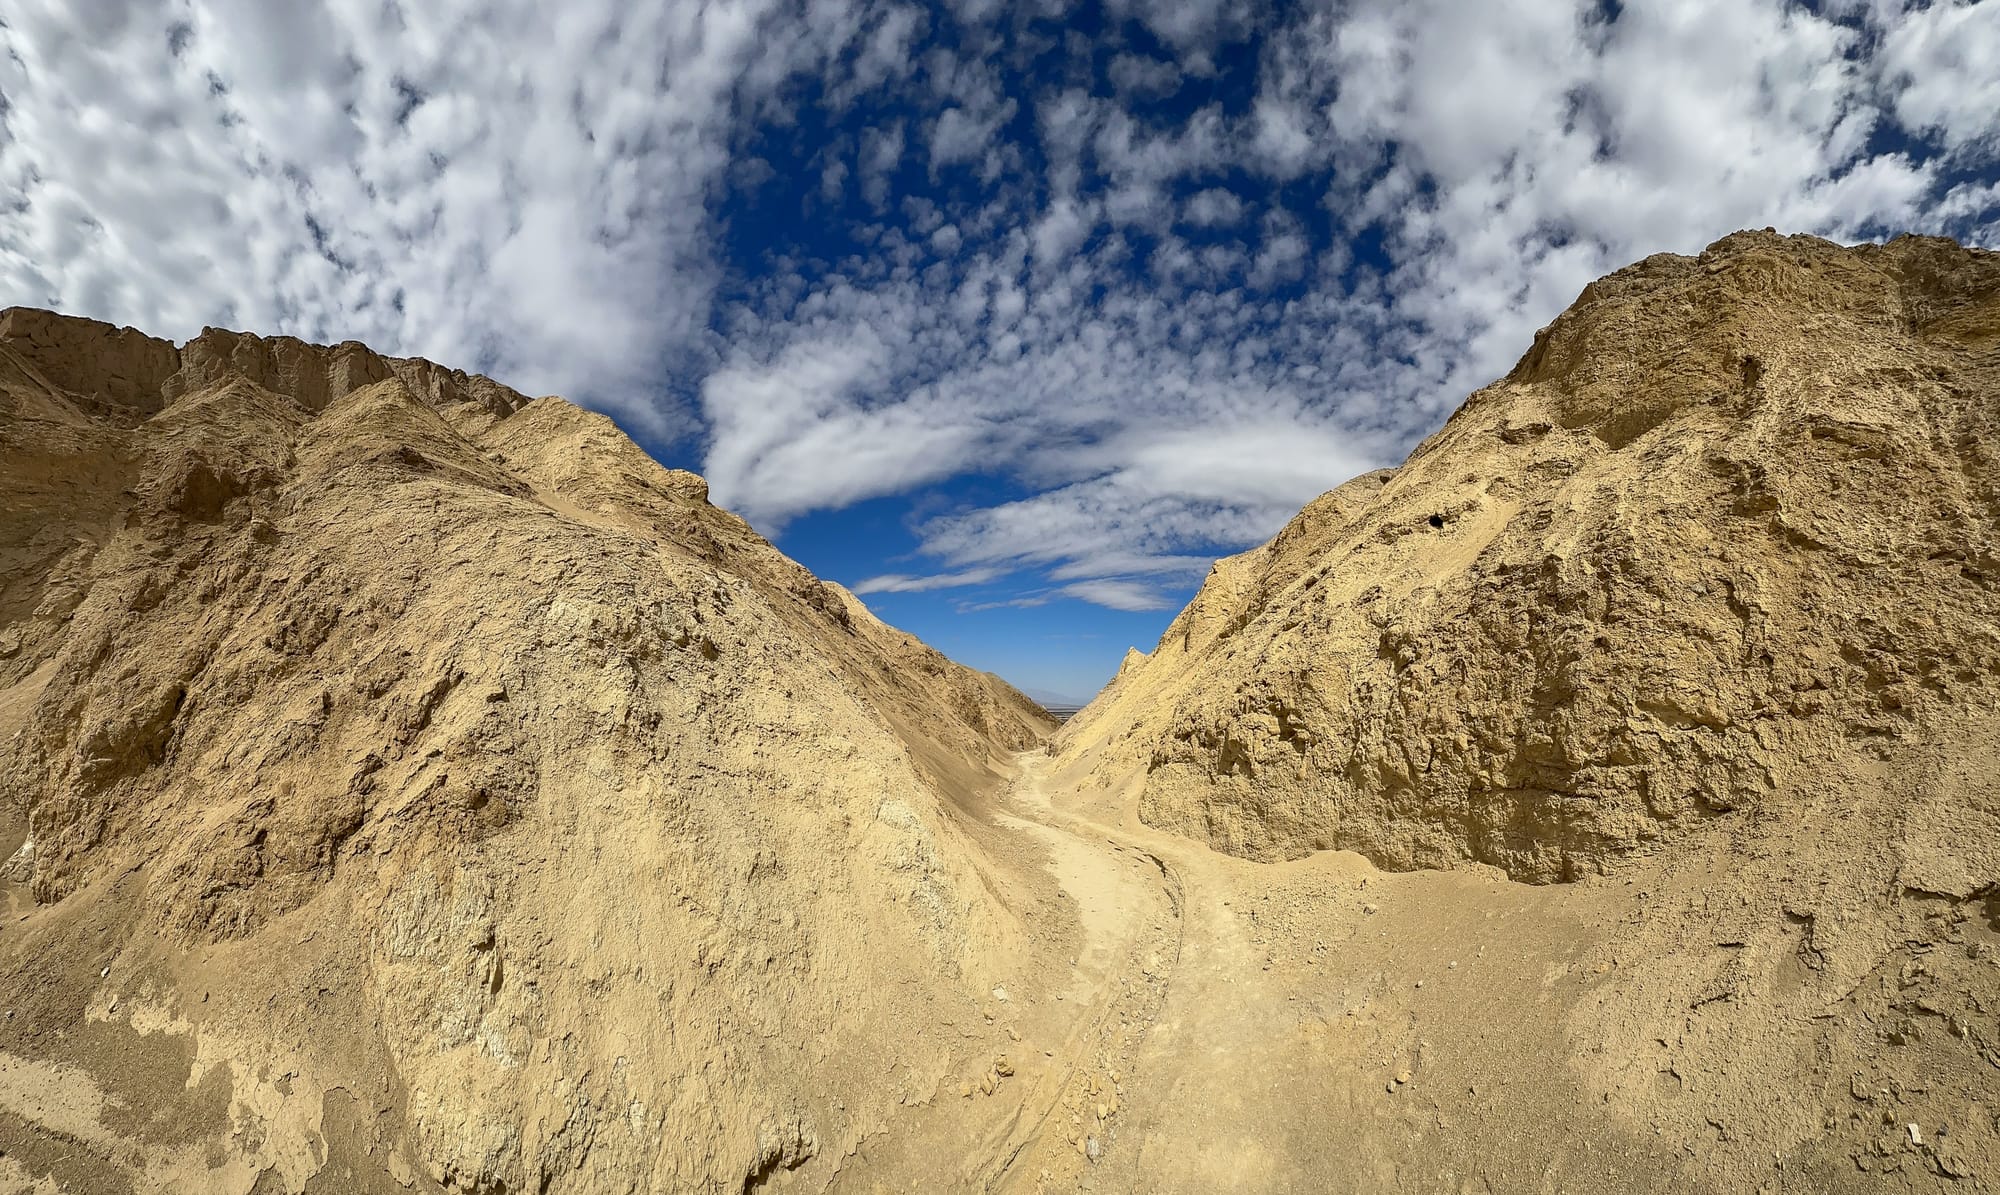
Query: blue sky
(1010,316)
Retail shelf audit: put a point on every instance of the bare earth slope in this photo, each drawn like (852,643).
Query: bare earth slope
(1730,516)
(404,783)
(1699,605)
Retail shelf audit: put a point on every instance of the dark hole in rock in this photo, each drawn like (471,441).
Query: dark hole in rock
(1435,520)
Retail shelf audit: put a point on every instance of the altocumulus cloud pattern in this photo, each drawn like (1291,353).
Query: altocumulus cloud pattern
(1163,271)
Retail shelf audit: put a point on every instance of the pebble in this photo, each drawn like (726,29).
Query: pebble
(1403,1076)
(1368,909)
(1091,1149)
(1000,994)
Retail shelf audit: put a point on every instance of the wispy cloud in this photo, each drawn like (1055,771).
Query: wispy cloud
(1119,595)
(906,583)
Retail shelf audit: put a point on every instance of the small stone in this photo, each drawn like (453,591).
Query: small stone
(1002,1067)
(1102,1111)
(1451,966)
(1091,1149)
(103,973)
(1368,909)
(1000,994)
(1403,1076)
(1916,1135)
(1420,983)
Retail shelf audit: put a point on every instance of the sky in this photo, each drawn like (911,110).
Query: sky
(1012,317)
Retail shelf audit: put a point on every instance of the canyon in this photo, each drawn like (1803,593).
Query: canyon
(413,786)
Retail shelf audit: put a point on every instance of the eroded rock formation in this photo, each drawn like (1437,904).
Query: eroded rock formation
(402,771)
(1730,525)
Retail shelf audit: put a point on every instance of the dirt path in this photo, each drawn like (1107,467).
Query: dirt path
(1308,1026)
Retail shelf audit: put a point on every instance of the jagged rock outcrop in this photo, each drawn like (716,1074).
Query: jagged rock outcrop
(1731,526)
(456,787)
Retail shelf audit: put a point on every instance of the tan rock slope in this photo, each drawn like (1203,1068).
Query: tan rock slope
(1700,606)
(406,784)
(1732,523)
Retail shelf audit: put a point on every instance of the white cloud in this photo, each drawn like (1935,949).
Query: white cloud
(1943,64)
(1193,27)
(1119,595)
(1143,77)
(906,583)
(1212,208)
(1060,232)
(881,154)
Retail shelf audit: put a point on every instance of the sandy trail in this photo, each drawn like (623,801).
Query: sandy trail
(1255,1020)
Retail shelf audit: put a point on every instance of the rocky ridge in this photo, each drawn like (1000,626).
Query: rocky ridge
(1733,521)
(414,774)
